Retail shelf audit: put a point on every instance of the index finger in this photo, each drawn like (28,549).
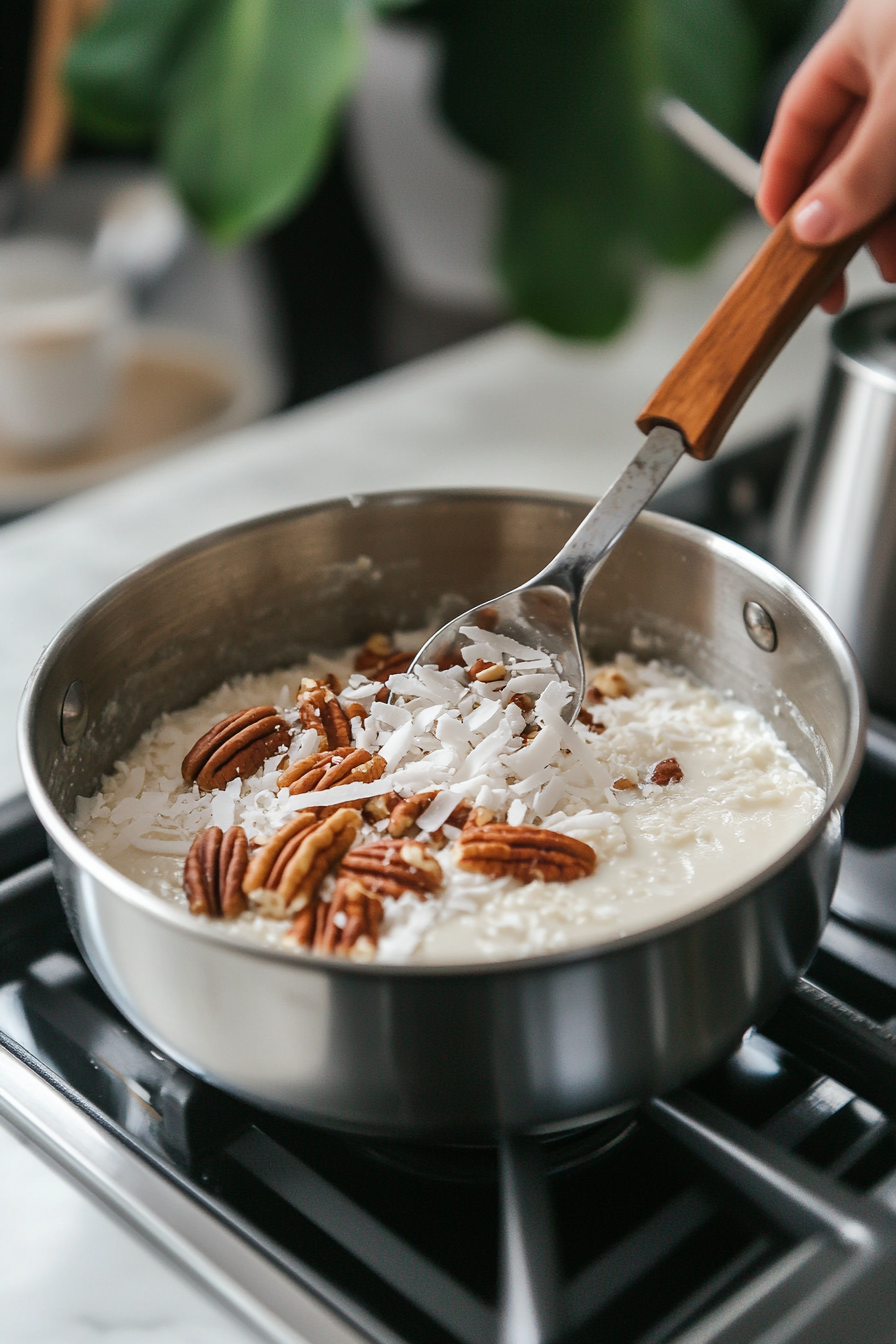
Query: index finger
(822,100)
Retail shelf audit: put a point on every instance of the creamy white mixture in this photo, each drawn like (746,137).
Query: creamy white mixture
(661,850)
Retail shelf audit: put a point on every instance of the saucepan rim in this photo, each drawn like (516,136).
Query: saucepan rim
(136,895)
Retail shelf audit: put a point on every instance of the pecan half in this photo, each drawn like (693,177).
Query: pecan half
(236,746)
(319,709)
(284,875)
(667,772)
(524,852)
(390,867)
(349,925)
(214,871)
(316,764)
(327,768)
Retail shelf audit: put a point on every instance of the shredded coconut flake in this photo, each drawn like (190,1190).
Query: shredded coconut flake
(661,850)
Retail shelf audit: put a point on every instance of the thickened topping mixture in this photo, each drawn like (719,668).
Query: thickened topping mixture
(467,821)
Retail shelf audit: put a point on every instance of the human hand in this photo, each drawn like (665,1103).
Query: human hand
(833,143)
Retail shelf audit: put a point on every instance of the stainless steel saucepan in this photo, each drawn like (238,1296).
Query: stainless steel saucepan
(432,1050)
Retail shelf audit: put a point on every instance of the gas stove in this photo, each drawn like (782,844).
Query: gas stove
(763,1193)
(757,1204)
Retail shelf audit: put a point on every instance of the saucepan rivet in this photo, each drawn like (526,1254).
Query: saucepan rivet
(73,719)
(760,627)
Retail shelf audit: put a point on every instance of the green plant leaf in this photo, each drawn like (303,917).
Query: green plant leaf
(561,98)
(685,204)
(242,95)
(779,23)
(252,104)
(572,269)
(117,71)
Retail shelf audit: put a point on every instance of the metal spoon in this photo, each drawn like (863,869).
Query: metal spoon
(544,613)
(690,412)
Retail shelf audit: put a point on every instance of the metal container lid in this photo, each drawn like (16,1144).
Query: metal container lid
(864,342)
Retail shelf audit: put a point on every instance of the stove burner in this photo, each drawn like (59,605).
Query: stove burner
(478,1163)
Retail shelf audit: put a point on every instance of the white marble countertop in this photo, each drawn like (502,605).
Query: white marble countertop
(69,1274)
(512,409)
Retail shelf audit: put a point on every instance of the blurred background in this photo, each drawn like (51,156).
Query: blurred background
(349,187)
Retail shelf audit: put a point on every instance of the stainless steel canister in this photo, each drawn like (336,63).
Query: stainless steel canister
(835,529)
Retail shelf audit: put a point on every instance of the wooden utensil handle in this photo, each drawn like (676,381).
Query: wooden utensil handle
(756,318)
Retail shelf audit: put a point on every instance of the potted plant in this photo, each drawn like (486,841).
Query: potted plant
(241,98)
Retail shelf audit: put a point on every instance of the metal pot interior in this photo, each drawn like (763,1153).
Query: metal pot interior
(265,594)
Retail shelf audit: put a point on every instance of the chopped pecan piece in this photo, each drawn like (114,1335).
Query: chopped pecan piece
(236,746)
(375,650)
(406,811)
(214,872)
(667,772)
(399,662)
(484,671)
(523,701)
(379,808)
(590,722)
(623,784)
(390,867)
(524,852)
(608,683)
(487,619)
(478,816)
(378,659)
(319,709)
(284,875)
(462,814)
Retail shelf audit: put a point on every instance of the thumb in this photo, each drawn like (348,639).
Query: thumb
(860,185)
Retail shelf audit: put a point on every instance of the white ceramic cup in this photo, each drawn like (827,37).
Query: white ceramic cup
(61,328)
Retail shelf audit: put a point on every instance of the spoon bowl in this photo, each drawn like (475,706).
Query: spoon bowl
(543,614)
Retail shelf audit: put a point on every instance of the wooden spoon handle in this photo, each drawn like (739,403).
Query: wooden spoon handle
(756,318)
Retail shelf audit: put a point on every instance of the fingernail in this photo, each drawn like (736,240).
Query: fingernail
(814,222)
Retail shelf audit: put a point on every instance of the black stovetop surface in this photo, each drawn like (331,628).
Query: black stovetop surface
(757,1204)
